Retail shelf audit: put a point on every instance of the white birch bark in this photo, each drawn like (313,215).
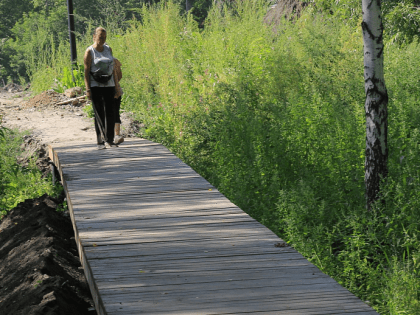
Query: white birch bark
(376,100)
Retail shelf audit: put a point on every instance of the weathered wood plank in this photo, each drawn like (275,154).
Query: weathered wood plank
(210,246)
(154,223)
(164,239)
(274,304)
(283,275)
(139,235)
(289,292)
(175,199)
(110,215)
(149,264)
(315,291)
(155,188)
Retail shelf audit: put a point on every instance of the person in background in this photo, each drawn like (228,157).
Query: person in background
(117,102)
(100,87)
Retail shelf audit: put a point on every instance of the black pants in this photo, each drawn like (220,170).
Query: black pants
(117,105)
(103,106)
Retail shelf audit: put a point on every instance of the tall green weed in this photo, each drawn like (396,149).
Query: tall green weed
(18,183)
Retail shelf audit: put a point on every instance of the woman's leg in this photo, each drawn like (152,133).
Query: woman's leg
(117,104)
(108,97)
(98,108)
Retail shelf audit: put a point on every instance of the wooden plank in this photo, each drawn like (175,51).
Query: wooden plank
(165,248)
(136,235)
(157,238)
(298,292)
(148,264)
(284,275)
(290,270)
(154,223)
(277,285)
(195,261)
(203,198)
(141,188)
(103,156)
(158,254)
(274,304)
(152,174)
(108,183)
(109,214)
(149,173)
(315,291)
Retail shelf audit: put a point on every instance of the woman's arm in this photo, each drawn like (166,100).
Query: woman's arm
(119,72)
(87,59)
(117,84)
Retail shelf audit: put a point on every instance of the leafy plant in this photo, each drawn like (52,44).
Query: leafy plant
(88,110)
(62,207)
(18,183)
(66,79)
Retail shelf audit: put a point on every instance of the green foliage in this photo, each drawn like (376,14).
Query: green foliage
(12,11)
(18,183)
(402,286)
(62,207)
(88,110)
(66,79)
(401,20)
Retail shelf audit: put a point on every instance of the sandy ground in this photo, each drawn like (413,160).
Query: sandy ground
(49,124)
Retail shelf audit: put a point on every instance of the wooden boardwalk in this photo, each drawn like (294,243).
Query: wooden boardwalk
(154,237)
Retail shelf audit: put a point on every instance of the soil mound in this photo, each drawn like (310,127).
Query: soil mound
(46,99)
(40,271)
(34,148)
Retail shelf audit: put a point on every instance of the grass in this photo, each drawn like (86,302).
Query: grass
(275,120)
(18,183)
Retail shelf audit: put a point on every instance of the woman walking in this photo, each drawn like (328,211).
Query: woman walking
(100,87)
(117,101)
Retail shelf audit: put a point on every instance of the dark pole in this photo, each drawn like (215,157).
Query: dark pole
(72,36)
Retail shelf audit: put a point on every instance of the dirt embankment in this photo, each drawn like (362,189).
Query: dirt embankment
(40,271)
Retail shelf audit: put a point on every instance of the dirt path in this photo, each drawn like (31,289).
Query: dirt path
(48,122)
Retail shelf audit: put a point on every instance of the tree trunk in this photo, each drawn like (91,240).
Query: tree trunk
(376,100)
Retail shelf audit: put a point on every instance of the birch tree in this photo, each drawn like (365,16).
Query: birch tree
(376,100)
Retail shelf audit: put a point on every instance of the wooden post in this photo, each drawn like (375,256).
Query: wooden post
(73,51)
(188,5)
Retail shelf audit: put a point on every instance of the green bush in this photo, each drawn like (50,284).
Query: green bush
(66,80)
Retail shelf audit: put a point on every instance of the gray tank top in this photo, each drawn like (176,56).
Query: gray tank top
(104,61)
